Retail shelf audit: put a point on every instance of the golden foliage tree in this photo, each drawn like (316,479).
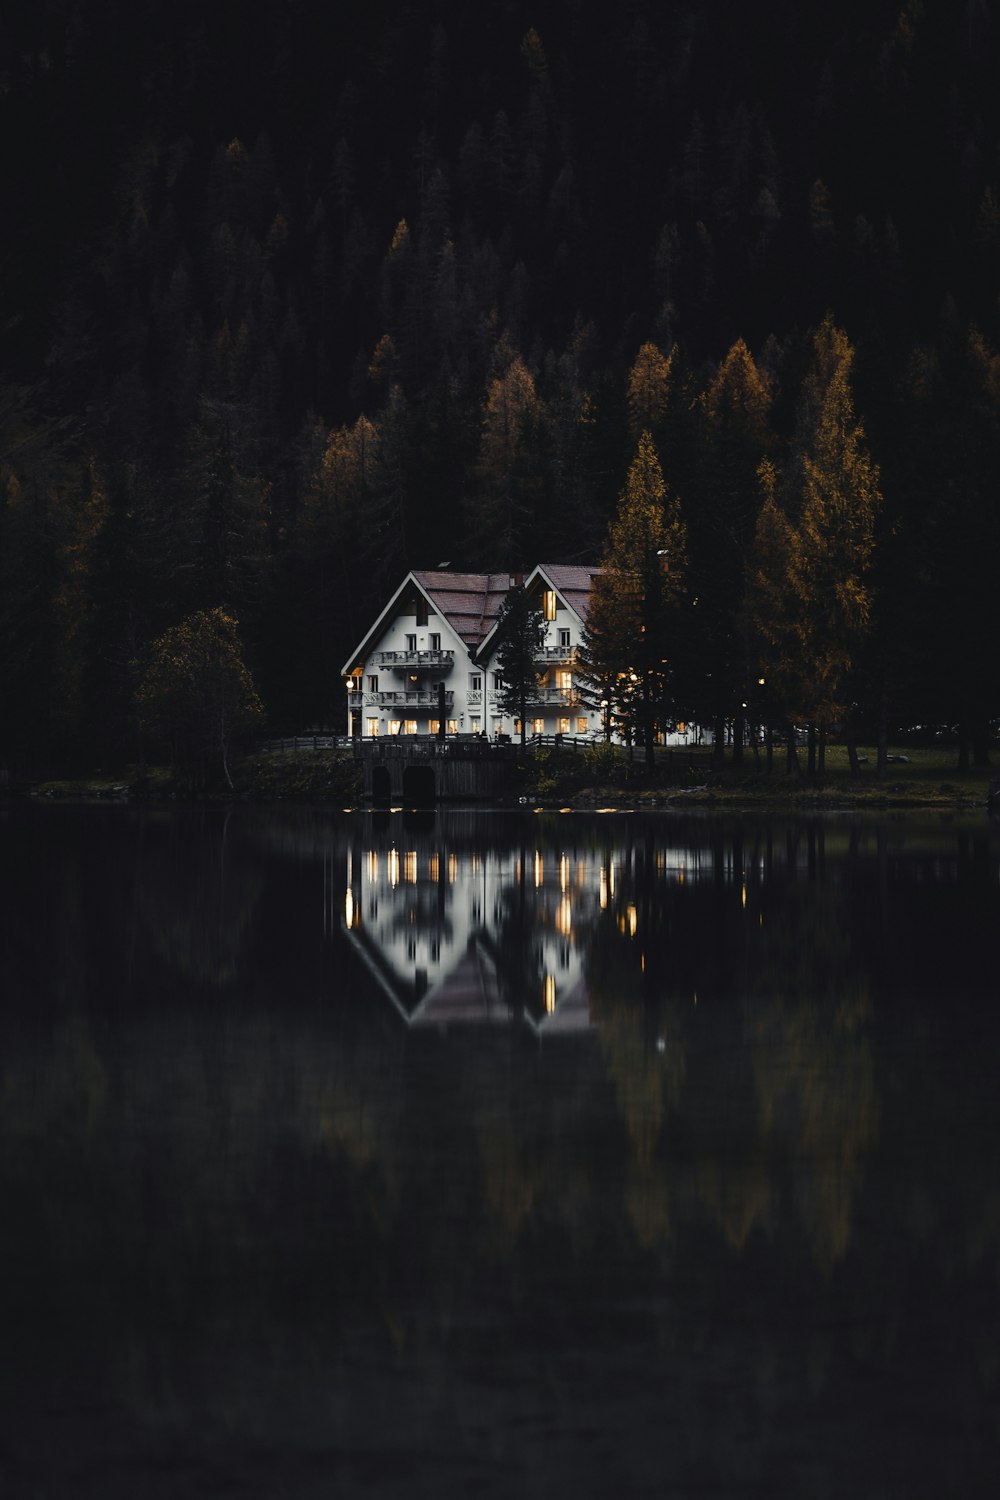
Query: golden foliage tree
(814,542)
(634,603)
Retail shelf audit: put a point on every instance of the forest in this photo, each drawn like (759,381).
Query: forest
(297,296)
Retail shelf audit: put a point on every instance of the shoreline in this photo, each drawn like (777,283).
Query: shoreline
(554,780)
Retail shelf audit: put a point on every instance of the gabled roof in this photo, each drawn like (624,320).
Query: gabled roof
(470,602)
(572,585)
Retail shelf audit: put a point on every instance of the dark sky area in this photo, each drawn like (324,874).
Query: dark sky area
(273,280)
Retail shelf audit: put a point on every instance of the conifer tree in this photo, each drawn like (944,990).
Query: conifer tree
(633,618)
(519,629)
(819,575)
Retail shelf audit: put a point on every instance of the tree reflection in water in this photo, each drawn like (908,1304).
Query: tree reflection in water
(266,1191)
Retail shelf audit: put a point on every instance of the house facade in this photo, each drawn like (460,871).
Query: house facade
(430,658)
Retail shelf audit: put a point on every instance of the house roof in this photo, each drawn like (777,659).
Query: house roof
(470,602)
(572,584)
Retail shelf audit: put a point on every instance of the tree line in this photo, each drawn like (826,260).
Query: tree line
(296,300)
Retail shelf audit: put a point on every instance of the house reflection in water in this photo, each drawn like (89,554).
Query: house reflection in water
(458,933)
(474,937)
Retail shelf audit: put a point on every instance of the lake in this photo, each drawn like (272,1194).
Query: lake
(468,1153)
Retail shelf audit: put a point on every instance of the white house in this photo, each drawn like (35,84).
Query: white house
(429,656)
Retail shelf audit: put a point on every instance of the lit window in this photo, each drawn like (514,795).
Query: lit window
(581,725)
(452,726)
(538,726)
(549,604)
(564,680)
(373,729)
(410,726)
(474,724)
(562,726)
(433,726)
(394,726)
(373,683)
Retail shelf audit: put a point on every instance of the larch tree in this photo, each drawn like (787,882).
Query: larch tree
(830,498)
(634,608)
(510,469)
(648,391)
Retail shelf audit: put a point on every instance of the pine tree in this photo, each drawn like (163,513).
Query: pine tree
(518,630)
(634,617)
(813,595)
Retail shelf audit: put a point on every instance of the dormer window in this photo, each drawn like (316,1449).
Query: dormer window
(421,610)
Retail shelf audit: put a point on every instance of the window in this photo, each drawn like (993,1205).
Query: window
(372,730)
(564,680)
(435,641)
(411,643)
(475,681)
(421,610)
(373,682)
(452,726)
(564,639)
(475,724)
(393,726)
(549,604)
(581,725)
(538,726)
(433,725)
(498,726)
(498,680)
(410,726)
(562,726)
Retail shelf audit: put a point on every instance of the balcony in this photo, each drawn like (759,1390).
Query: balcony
(548,697)
(415,661)
(563,655)
(412,698)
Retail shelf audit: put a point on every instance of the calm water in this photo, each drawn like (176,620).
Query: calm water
(469,1154)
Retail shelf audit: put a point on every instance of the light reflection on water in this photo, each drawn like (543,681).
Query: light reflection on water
(376,1154)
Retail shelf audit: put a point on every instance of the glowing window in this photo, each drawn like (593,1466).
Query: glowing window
(394,726)
(549,604)
(581,725)
(373,729)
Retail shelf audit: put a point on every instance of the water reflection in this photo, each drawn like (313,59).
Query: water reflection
(382,1155)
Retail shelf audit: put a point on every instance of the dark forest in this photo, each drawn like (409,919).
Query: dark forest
(296,297)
